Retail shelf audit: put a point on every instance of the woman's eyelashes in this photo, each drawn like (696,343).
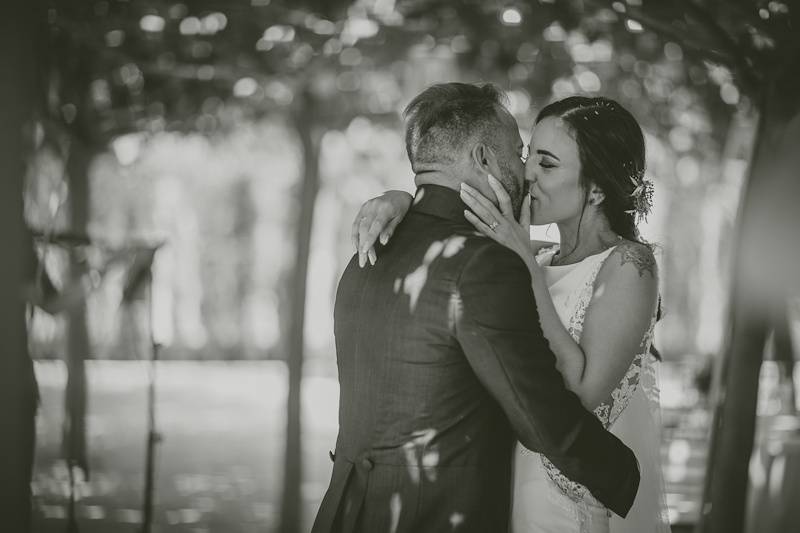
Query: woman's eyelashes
(544,163)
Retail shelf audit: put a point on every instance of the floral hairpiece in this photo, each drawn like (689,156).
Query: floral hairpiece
(642,196)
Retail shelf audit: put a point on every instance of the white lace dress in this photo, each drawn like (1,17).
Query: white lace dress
(546,501)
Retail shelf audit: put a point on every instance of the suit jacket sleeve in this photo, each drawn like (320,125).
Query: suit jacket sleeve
(497,326)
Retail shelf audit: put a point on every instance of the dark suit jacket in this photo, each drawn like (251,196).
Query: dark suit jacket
(442,364)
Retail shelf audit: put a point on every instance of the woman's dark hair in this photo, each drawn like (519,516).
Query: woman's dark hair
(611,150)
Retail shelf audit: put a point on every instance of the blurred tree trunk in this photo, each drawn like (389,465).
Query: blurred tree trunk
(81,126)
(18,31)
(765,275)
(74,438)
(243,225)
(304,121)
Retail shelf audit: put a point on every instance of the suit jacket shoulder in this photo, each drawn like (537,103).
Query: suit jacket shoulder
(489,259)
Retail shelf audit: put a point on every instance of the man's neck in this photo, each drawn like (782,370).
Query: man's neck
(437,177)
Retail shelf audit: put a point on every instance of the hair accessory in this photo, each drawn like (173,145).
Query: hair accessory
(642,196)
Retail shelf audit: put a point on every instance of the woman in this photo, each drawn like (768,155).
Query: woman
(597,294)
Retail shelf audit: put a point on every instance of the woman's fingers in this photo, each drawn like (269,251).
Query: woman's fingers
(480,205)
(367,239)
(479,224)
(354,229)
(480,198)
(377,219)
(388,231)
(363,228)
(503,199)
(366,215)
(482,213)
(367,255)
(381,228)
(525,213)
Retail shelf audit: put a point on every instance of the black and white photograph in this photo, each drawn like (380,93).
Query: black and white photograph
(400,266)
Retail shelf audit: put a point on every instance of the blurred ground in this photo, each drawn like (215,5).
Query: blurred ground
(220,462)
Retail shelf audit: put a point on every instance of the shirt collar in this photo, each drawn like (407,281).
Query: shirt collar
(440,202)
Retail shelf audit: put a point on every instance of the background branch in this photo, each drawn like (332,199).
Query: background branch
(729,55)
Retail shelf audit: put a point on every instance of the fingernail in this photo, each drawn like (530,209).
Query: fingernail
(492,178)
(361,261)
(384,239)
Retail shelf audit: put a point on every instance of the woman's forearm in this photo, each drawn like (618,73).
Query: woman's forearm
(571,360)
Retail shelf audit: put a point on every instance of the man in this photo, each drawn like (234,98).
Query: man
(442,362)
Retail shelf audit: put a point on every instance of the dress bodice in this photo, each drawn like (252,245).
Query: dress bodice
(572,288)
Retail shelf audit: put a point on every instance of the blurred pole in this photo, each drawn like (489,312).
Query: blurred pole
(304,118)
(153,436)
(81,149)
(74,445)
(138,289)
(764,275)
(19,35)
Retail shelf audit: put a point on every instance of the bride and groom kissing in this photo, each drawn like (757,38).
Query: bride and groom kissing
(486,386)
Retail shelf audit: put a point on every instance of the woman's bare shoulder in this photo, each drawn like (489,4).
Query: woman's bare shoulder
(639,256)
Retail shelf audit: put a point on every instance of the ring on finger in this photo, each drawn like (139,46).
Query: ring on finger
(493,225)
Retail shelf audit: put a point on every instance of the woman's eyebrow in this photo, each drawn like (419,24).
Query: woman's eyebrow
(548,154)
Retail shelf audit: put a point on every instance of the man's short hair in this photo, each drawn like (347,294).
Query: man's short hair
(444,117)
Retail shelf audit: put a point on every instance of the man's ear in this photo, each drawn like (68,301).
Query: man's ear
(481,155)
(596,195)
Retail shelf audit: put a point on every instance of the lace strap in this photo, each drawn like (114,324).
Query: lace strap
(575,327)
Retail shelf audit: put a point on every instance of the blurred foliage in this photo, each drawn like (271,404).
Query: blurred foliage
(151,61)
(135,65)
(194,107)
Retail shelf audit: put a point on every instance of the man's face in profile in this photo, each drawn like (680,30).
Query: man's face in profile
(509,159)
